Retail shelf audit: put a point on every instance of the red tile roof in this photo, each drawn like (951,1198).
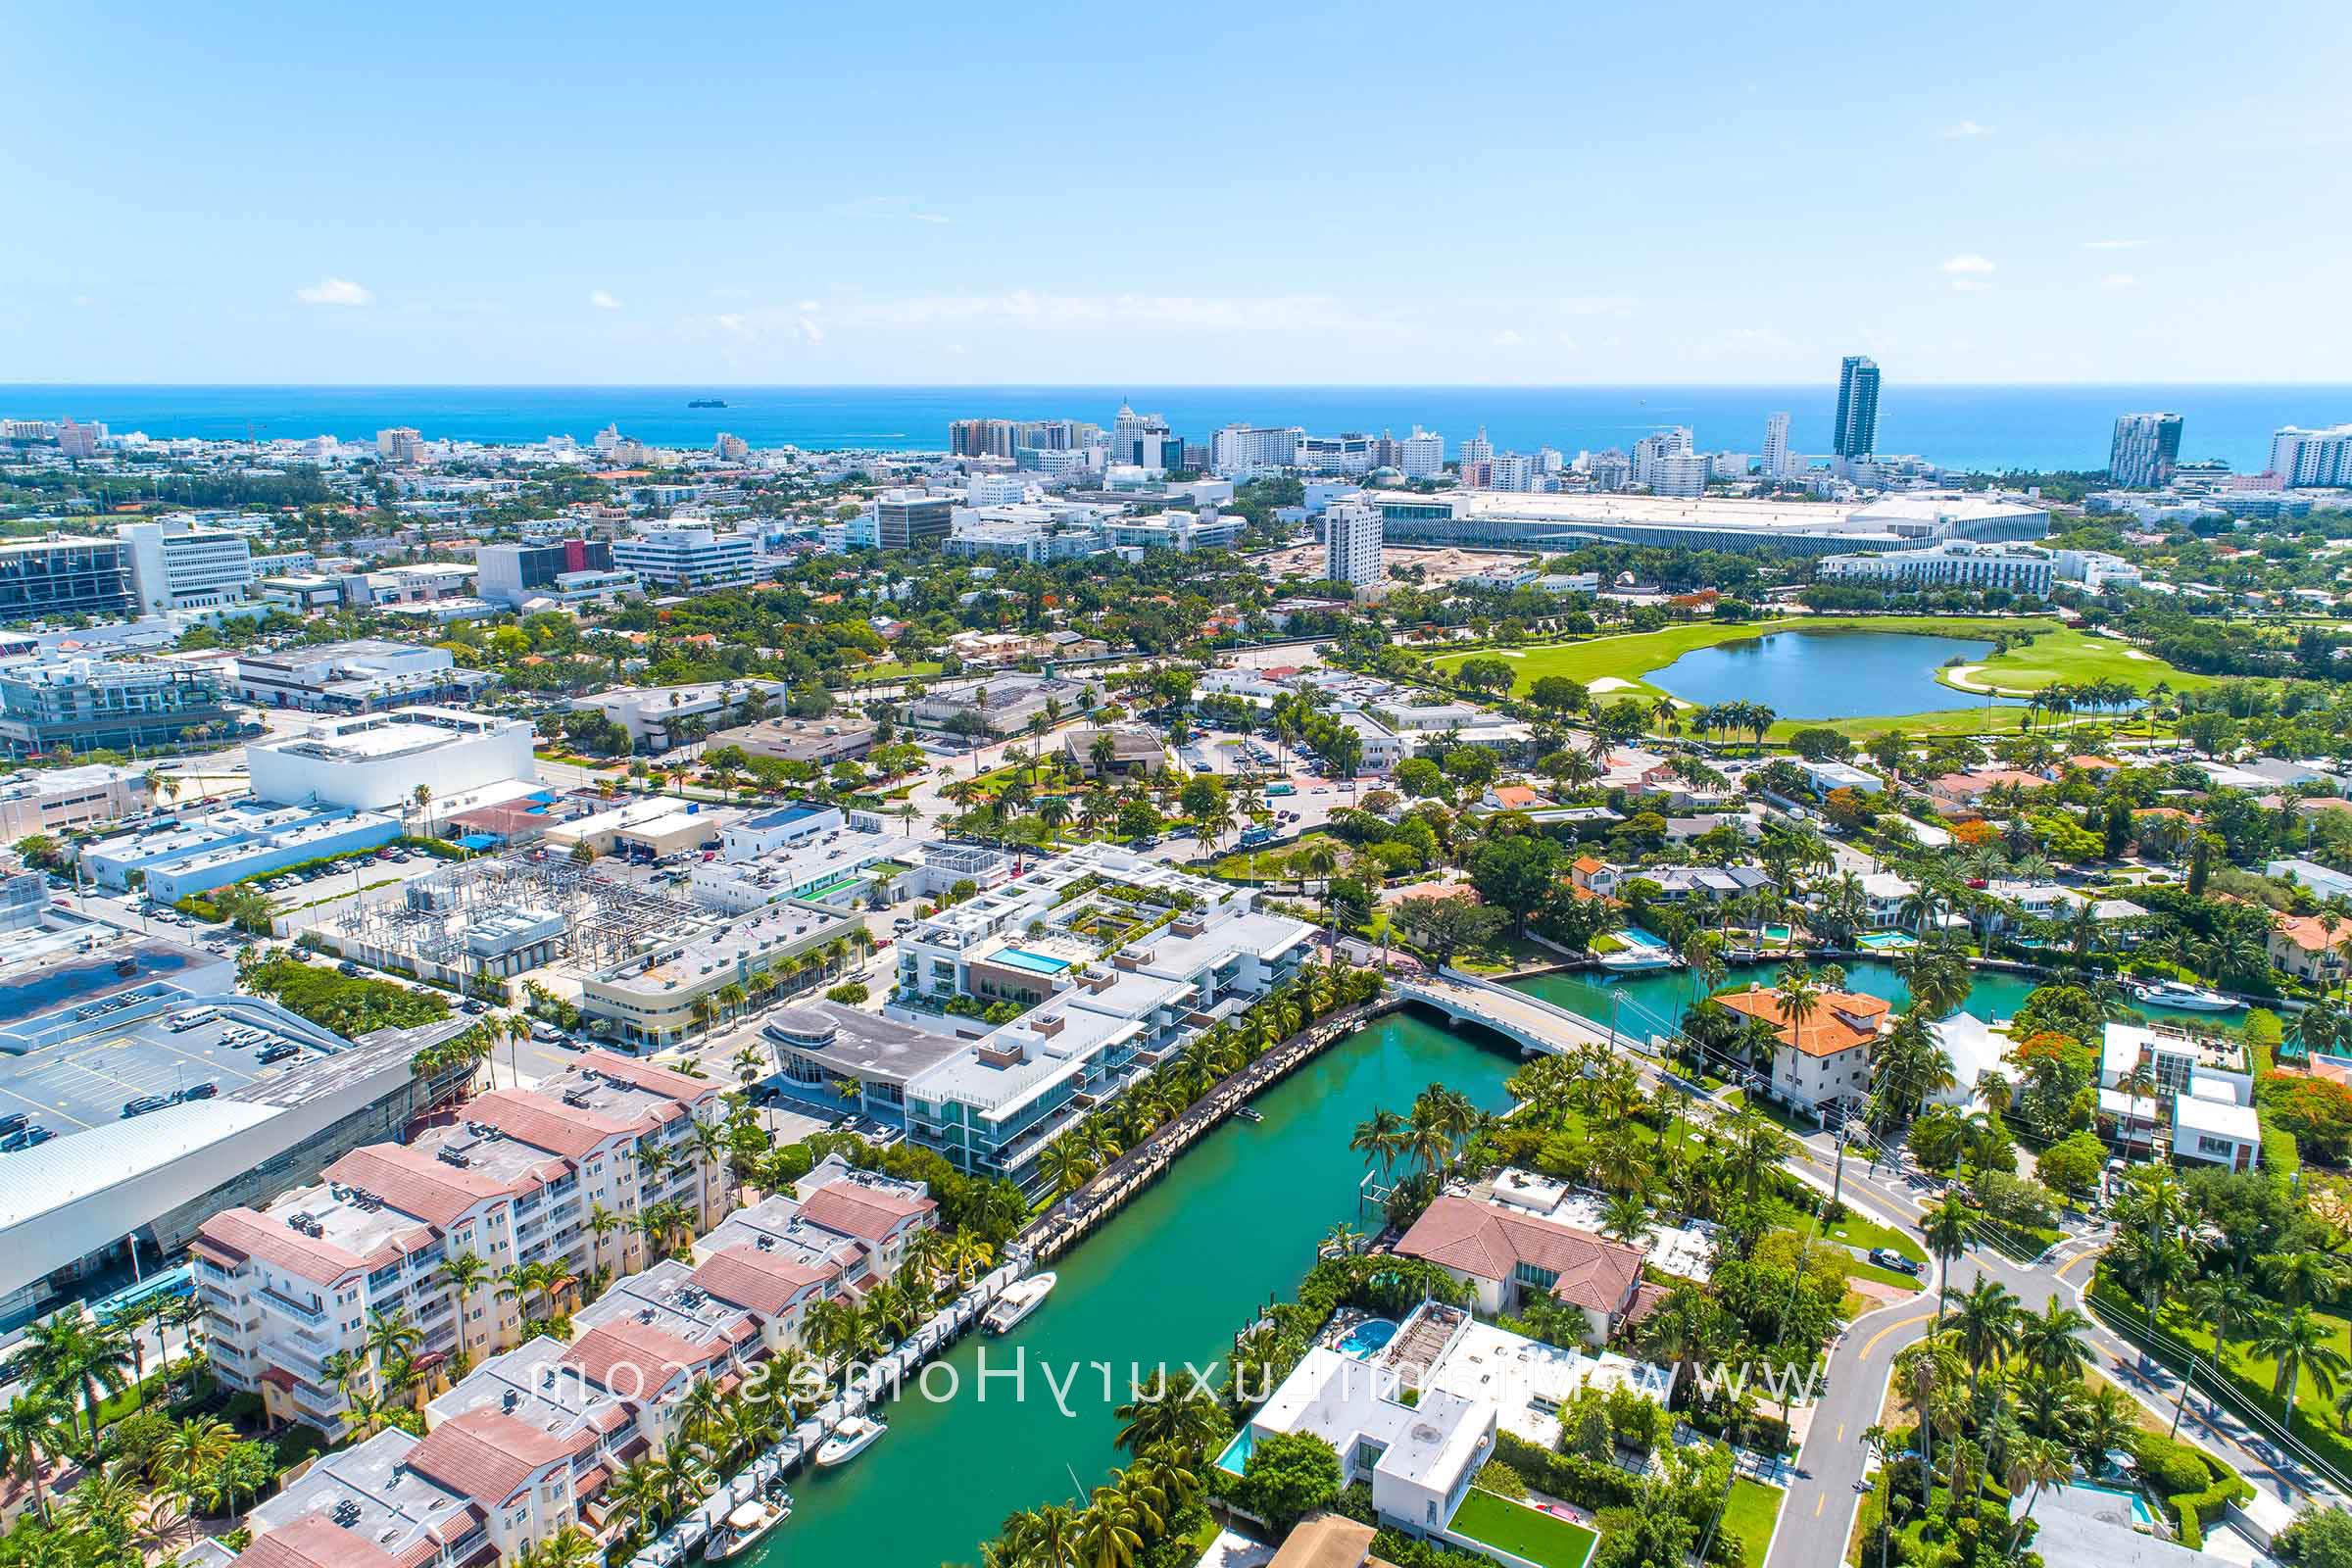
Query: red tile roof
(1481,1240)
(488,1456)
(758,1281)
(315,1541)
(656,1080)
(857,1209)
(416,1183)
(1842,1020)
(544,1122)
(652,1356)
(235,1235)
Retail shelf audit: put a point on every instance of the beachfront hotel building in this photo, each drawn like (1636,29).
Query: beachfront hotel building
(517,1181)
(1905,520)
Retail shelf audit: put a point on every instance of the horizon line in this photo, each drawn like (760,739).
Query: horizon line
(1415,386)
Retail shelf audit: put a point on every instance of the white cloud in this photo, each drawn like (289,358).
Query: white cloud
(1966,130)
(602,300)
(334,292)
(931,217)
(1968,271)
(2119,280)
(1507,339)
(2112,244)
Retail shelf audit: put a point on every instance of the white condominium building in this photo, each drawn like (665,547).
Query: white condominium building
(1955,562)
(519,1181)
(1351,549)
(1775,446)
(1424,455)
(2300,457)
(1240,449)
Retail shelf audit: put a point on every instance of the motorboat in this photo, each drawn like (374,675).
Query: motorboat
(1251,1113)
(850,1439)
(2183,997)
(1628,961)
(750,1521)
(1021,1299)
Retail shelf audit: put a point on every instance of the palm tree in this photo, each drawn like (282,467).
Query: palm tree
(2037,1463)
(1109,1534)
(1947,1228)
(35,1428)
(1985,1323)
(2051,1341)
(187,1457)
(73,1349)
(2298,1341)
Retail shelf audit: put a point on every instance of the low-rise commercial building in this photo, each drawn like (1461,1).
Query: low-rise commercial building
(85,704)
(357,677)
(374,761)
(840,737)
(658,998)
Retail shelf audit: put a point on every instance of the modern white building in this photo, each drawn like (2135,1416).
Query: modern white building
(1776,447)
(1423,455)
(1242,450)
(2096,571)
(370,762)
(1180,531)
(1955,562)
(2302,458)
(687,556)
(1548,521)
(175,565)
(1351,549)
(354,677)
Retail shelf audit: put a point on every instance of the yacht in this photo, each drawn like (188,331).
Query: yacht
(1021,1299)
(747,1525)
(1251,1113)
(1627,961)
(2183,997)
(850,1439)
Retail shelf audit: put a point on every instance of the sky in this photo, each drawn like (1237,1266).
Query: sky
(1220,193)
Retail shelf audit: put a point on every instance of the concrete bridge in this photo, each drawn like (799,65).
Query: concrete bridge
(1530,1022)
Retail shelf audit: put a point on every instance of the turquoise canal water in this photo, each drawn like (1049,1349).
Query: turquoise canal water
(1809,674)
(1234,1223)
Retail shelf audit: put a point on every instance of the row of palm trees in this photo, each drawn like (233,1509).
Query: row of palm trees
(1167,1431)
(779,975)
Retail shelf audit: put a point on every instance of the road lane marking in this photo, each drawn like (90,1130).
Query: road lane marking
(1873,1342)
(1841,1432)
(1820,1502)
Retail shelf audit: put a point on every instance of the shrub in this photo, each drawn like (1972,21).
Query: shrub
(1501,1480)
(849,993)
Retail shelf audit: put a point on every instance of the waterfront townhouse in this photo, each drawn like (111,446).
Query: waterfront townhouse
(1118,959)
(1821,1067)
(839,1229)
(527,1178)
(366,1506)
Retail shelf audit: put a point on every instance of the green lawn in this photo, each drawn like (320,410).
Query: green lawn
(1751,1516)
(2315,1424)
(1859,1270)
(2075,658)
(1856,1230)
(1272,864)
(1543,1538)
(893,669)
(2057,654)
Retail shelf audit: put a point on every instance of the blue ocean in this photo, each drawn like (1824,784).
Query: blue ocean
(2037,427)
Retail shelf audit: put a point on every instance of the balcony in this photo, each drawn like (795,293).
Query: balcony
(286,1303)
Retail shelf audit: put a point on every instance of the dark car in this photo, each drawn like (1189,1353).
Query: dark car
(474,1004)
(22,1138)
(145,1103)
(199,1092)
(347,967)
(279,1053)
(15,1121)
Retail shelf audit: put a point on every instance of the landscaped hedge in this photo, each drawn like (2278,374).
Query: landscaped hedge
(1570,1477)
(2194,1484)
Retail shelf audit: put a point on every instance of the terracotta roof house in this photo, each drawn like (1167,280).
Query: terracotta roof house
(1821,1067)
(1503,1255)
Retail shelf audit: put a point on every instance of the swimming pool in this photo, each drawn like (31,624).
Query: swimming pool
(1633,936)
(2143,1517)
(1365,1340)
(1034,962)
(1235,1460)
(1885,941)
(1778,935)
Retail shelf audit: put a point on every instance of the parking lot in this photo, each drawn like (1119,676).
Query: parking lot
(86,1079)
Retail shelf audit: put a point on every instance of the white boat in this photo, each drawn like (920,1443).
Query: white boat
(1629,960)
(2183,997)
(745,1527)
(1019,1299)
(850,1439)
(1251,1113)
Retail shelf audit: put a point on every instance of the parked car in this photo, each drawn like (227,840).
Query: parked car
(25,1138)
(347,967)
(1889,1257)
(280,1051)
(145,1103)
(13,1122)
(200,1090)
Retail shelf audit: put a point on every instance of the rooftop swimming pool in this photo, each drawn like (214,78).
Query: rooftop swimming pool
(1368,1339)
(1034,962)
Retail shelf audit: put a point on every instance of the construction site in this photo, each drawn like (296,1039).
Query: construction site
(481,922)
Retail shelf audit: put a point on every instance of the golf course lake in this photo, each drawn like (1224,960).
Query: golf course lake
(1823,674)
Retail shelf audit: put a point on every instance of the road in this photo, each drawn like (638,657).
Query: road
(1818,1516)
